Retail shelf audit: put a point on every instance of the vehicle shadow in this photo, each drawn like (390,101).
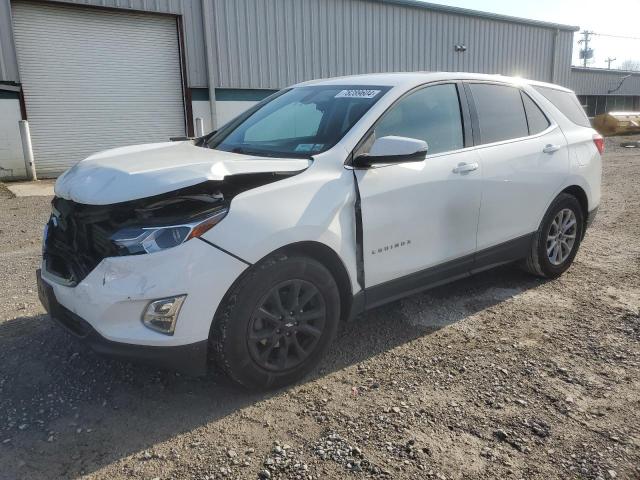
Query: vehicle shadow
(65,411)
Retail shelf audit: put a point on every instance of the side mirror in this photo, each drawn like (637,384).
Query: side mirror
(393,149)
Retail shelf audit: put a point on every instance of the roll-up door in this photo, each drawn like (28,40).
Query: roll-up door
(95,79)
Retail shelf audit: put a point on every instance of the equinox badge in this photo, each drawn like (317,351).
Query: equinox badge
(393,246)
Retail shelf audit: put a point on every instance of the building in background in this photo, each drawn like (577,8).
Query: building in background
(96,74)
(601,90)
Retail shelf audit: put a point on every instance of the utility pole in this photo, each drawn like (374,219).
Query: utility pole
(585,53)
(609,60)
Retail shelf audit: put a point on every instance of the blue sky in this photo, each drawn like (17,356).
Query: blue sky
(622,18)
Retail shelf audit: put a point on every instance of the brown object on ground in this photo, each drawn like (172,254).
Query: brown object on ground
(617,123)
(500,376)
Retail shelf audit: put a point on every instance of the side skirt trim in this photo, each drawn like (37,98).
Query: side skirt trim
(386,292)
(506,252)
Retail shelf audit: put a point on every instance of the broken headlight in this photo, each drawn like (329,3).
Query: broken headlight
(135,240)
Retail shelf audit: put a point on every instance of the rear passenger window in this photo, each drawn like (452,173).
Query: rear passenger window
(431,114)
(567,103)
(500,112)
(535,118)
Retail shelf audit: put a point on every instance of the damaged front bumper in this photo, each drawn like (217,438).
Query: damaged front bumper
(105,309)
(189,359)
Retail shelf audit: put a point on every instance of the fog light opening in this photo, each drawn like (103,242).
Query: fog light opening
(161,315)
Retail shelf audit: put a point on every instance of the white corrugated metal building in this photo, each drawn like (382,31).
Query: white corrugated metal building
(95,74)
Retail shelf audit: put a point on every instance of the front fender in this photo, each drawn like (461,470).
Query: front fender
(316,205)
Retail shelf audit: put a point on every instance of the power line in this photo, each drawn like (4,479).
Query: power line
(615,36)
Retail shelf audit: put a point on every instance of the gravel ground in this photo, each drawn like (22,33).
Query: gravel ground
(498,376)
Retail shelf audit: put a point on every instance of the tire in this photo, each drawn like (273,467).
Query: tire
(251,331)
(539,262)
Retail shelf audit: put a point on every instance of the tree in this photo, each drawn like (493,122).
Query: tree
(632,65)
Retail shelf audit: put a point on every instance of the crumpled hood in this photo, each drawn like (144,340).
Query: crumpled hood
(131,173)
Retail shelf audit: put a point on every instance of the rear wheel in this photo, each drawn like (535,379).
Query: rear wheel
(556,242)
(277,322)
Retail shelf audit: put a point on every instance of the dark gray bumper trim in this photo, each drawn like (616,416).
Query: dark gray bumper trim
(190,359)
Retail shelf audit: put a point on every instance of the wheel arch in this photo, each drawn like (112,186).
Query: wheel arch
(579,193)
(318,251)
(330,259)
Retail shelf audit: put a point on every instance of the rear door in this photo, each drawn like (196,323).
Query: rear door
(421,214)
(524,161)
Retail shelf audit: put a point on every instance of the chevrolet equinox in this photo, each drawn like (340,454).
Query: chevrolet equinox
(250,245)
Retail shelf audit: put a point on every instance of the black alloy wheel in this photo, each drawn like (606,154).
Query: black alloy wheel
(558,238)
(287,325)
(276,322)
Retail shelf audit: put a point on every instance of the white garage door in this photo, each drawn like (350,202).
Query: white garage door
(96,79)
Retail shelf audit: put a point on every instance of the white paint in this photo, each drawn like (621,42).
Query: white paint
(419,214)
(140,171)
(393,145)
(519,178)
(426,205)
(114,295)
(11,158)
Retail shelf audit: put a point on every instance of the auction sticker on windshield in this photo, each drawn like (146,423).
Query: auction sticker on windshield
(357,93)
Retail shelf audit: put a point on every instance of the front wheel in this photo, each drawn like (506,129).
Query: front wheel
(277,322)
(556,242)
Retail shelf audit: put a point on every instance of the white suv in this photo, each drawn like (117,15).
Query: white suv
(250,245)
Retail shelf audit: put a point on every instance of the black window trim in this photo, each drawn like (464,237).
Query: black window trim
(465,118)
(526,116)
(474,114)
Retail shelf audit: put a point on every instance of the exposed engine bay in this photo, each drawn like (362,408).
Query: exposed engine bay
(78,236)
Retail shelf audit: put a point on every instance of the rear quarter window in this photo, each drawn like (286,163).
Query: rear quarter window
(567,103)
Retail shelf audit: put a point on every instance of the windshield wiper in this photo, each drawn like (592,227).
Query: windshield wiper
(258,153)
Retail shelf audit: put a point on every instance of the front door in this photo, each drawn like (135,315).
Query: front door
(420,218)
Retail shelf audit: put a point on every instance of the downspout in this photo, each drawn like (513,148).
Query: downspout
(554,56)
(211,54)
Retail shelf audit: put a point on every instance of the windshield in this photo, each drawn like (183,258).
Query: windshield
(299,122)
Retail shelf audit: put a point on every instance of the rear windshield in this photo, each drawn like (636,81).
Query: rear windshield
(299,122)
(567,103)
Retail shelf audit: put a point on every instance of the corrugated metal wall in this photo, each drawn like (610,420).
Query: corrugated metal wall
(191,10)
(8,62)
(564,52)
(273,43)
(591,81)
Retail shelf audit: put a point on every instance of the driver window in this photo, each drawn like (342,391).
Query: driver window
(431,114)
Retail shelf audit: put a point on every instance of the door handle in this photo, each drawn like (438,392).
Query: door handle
(466,167)
(549,148)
